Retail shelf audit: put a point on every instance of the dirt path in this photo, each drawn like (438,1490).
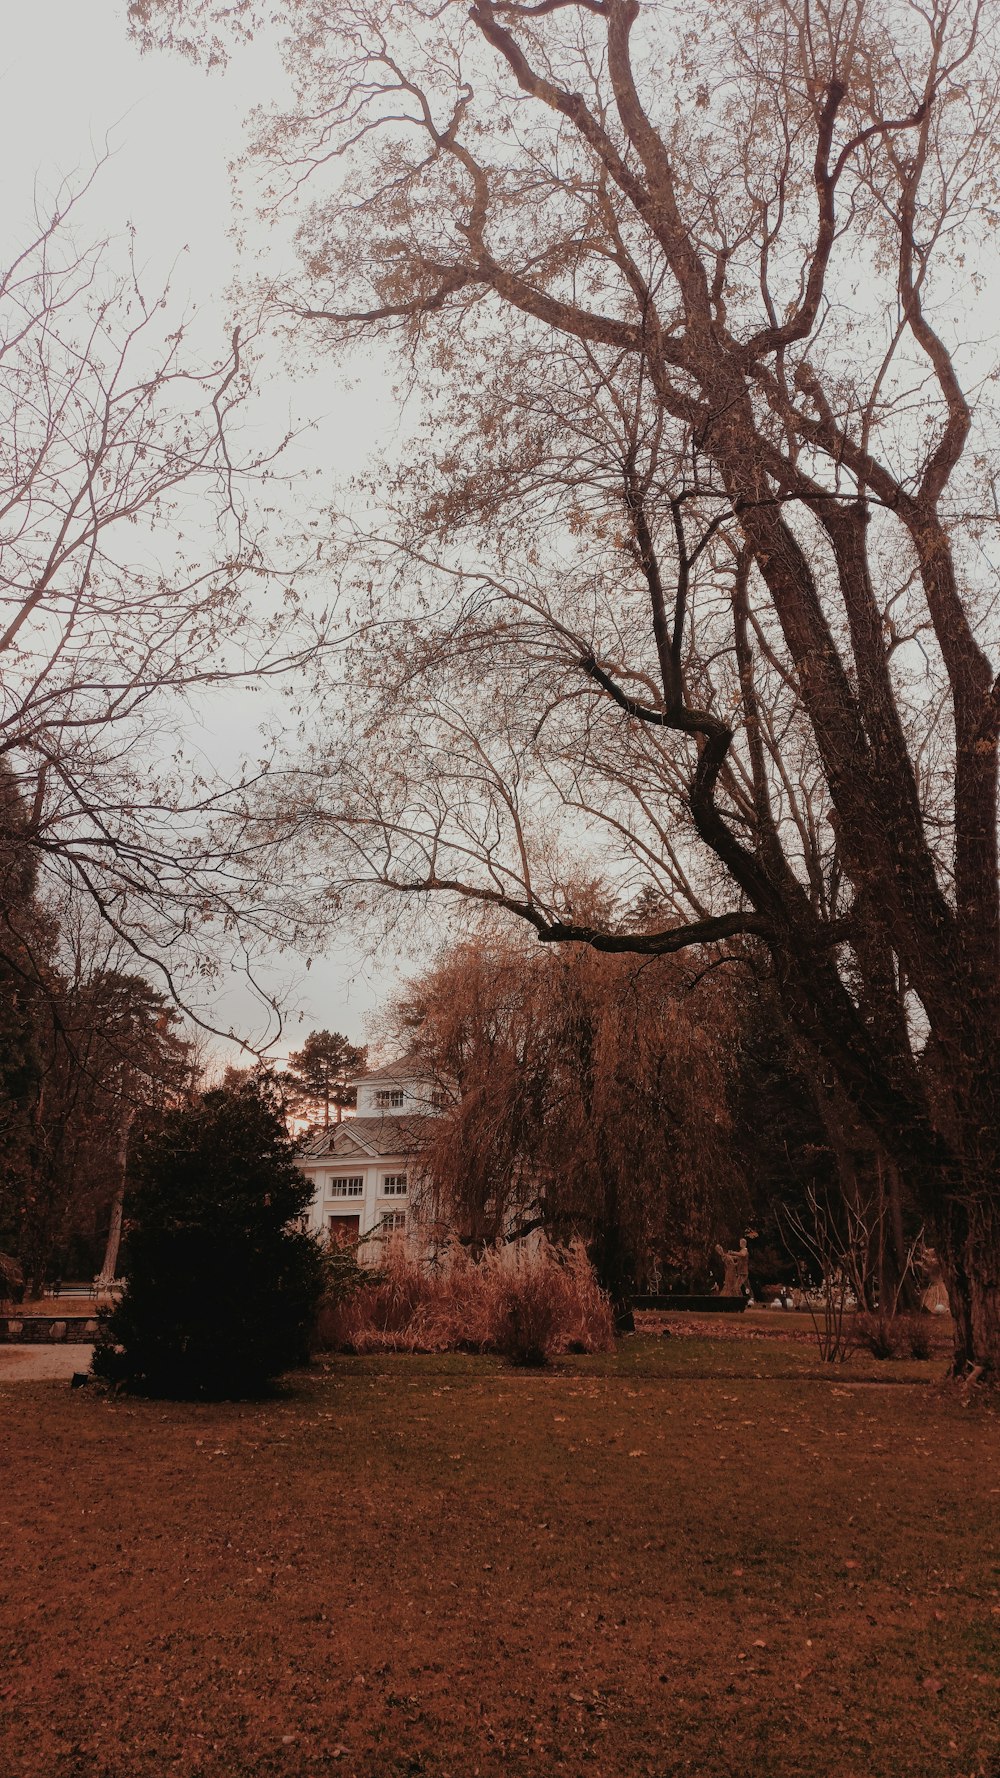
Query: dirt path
(42,1364)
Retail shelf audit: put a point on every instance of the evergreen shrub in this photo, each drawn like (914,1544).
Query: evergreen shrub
(222,1289)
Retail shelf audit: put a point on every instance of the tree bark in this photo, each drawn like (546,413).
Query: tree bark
(611,1264)
(970,1254)
(109,1268)
(902,1280)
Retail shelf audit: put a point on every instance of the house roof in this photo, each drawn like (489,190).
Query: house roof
(412,1066)
(365,1136)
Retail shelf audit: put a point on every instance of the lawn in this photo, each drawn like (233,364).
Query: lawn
(695,1557)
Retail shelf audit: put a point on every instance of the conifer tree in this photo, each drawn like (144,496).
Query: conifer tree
(222,1288)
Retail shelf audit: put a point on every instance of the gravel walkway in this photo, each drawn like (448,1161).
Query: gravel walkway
(42,1364)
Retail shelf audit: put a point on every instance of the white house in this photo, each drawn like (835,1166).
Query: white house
(362,1169)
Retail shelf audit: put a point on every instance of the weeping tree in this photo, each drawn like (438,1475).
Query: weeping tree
(692,555)
(582,1096)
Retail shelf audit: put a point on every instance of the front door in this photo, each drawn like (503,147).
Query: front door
(344,1231)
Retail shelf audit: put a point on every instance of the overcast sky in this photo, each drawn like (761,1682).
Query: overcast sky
(71,84)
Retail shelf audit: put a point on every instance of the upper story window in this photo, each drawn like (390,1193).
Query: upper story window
(439,1098)
(389,1098)
(394,1185)
(350,1185)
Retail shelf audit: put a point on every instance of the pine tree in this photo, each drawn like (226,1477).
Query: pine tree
(317,1076)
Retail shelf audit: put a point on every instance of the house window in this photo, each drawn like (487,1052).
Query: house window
(389,1098)
(439,1098)
(394,1185)
(393,1223)
(350,1186)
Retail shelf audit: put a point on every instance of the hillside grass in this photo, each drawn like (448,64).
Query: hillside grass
(693,1556)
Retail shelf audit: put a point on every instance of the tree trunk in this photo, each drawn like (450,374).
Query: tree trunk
(614,1272)
(109,1268)
(898,1276)
(970,1253)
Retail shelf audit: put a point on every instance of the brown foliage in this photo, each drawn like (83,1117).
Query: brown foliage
(525,1302)
(584,1094)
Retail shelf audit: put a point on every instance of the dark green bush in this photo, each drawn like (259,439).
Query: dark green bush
(221,1288)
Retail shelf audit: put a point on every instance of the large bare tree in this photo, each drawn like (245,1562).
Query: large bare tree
(696,544)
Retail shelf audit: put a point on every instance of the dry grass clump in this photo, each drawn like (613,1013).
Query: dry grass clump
(525,1302)
(890,1336)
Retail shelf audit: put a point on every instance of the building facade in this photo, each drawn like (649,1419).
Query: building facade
(364,1169)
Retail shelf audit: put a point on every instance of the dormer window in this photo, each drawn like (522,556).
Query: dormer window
(389,1098)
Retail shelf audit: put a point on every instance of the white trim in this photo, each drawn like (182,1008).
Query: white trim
(389,1098)
(364,1146)
(342,1180)
(392,1179)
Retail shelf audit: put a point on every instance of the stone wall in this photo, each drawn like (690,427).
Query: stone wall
(46,1330)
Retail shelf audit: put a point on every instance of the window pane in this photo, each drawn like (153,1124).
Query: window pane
(348,1186)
